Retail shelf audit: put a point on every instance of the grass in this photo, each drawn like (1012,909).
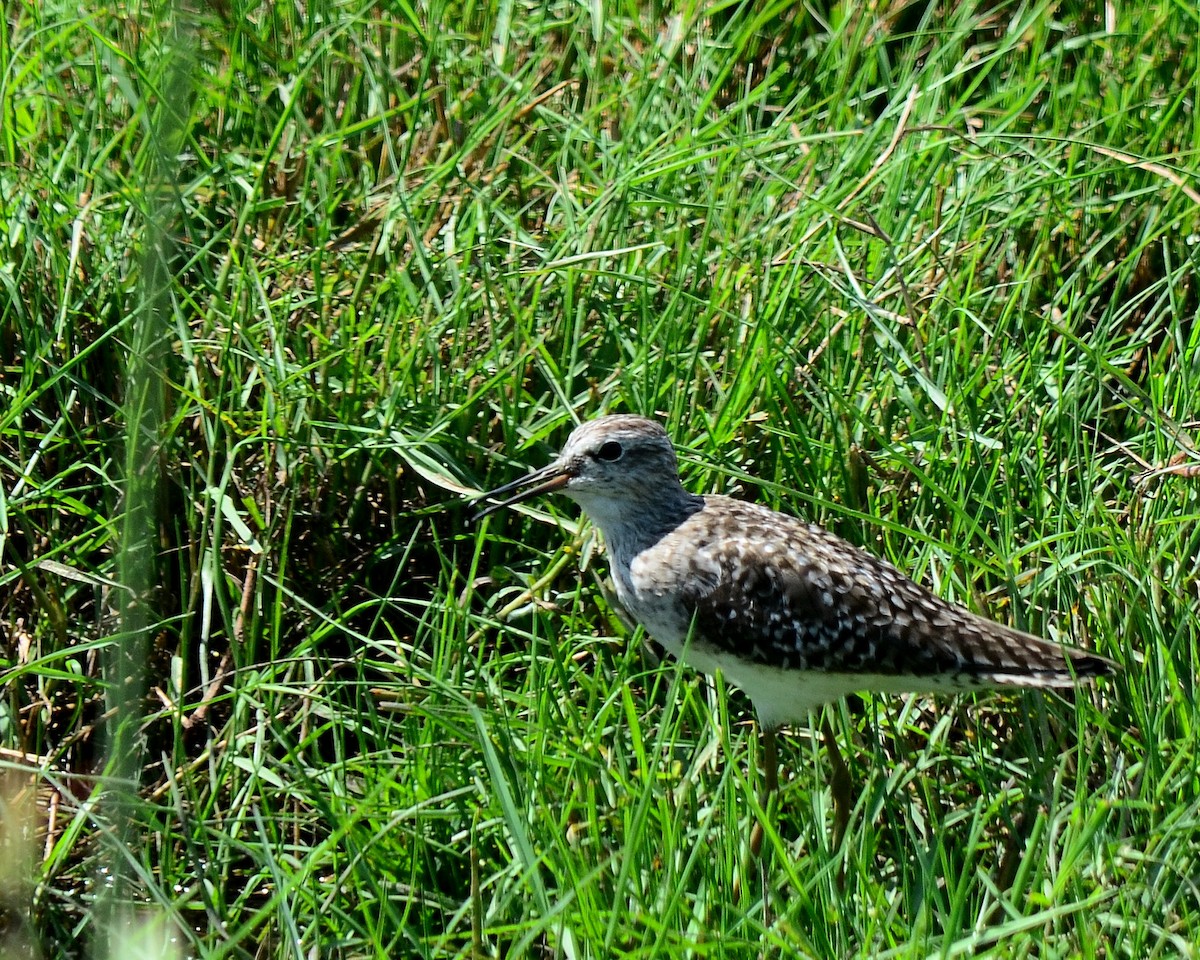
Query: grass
(281,280)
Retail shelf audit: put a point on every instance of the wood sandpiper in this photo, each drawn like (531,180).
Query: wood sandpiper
(790,613)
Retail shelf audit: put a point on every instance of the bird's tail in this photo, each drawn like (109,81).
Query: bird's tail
(1041,663)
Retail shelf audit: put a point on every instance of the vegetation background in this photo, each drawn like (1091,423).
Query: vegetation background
(281,281)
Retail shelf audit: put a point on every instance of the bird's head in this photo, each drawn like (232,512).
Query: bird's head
(607,466)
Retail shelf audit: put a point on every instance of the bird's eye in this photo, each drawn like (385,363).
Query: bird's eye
(610,451)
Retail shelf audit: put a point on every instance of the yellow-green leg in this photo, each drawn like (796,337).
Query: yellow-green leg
(770,763)
(839,783)
(770,787)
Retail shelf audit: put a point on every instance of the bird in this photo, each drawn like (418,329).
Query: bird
(791,614)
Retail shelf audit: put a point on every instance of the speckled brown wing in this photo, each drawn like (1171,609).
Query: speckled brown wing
(812,601)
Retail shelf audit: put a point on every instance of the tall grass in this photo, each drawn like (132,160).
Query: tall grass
(280,282)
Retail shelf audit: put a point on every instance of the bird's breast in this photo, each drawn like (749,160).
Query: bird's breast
(650,584)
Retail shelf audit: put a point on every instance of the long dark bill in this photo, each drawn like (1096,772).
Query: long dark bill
(555,477)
